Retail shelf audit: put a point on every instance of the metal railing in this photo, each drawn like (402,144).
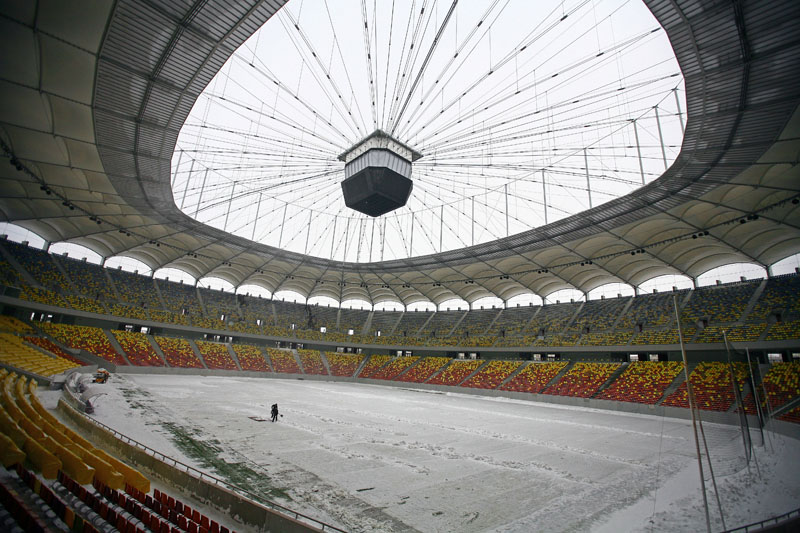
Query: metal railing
(774,521)
(199,474)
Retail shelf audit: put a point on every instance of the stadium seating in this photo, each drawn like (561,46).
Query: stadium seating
(394,368)
(344,365)
(619,338)
(216,355)
(374,363)
(88,279)
(492,374)
(534,377)
(642,382)
(582,380)
(168,317)
(218,303)
(663,336)
(44,296)
(411,322)
(424,369)
(784,331)
(779,296)
(287,313)
(722,304)
(598,315)
(85,304)
(13,325)
(384,321)
(711,381)
(129,311)
(782,383)
(283,361)
(179,298)
(178,352)
(553,319)
(792,415)
(88,338)
(312,362)
(135,290)
(137,348)
(512,321)
(40,265)
(250,358)
(50,346)
(476,322)
(15,353)
(457,371)
(441,323)
(650,311)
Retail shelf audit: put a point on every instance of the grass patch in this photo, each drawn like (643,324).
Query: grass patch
(208,455)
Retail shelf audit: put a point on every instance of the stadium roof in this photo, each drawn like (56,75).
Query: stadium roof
(95,94)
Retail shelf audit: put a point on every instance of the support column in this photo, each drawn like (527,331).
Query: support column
(588,183)
(661,138)
(544,196)
(638,149)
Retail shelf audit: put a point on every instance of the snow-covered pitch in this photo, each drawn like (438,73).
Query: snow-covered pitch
(375,458)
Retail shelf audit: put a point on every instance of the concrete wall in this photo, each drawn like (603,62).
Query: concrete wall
(245,512)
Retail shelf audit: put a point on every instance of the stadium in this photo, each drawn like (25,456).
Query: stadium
(501,269)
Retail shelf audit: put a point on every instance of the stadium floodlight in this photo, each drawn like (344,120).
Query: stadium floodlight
(377,174)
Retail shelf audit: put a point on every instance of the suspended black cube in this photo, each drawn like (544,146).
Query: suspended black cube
(377,175)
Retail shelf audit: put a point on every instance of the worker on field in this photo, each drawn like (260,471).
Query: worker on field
(274,412)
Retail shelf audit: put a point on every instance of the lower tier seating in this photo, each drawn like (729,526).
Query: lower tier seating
(491,374)
(534,377)
(137,348)
(178,352)
(283,361)
(343,365)
(312,362)
(457,371)
(88,338)
(582,380)
(643,382)
(424,369)
(250,358)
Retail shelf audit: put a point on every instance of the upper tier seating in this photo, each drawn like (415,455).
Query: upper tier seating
(552,319)
(384,321)
(216,355)
(441,323)
(423,370)
(85,304)
(179,298)
(475,323)
(134,289)
(352,319)
(9,275)
(14,352)
(219,303)
(582,380)
(168,317)
(598,315)
(91,339)
(411,322)
(374,363)
(722,304)
(321,316)
(88,279)
(283,361)
(40,265)
(344,365)
(643,382)
(534,377)
(44,296)
(784,331)
(779,296)
(492,374)
(619,338)
(288,313)
(312,362)
(178,352)
(512,321)
(395,368)
(711,382)
(250,358)
(457,371)
(138,348)
(650,311)
(661,336)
